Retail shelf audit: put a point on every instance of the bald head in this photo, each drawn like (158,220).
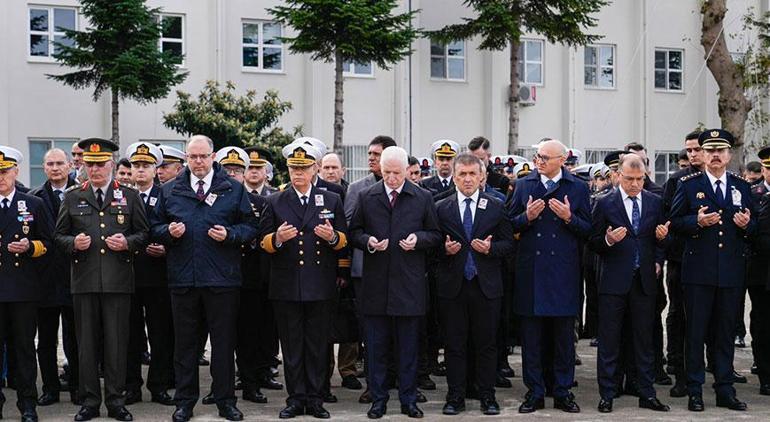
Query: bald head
(550,157)
(197,140)
(332,169)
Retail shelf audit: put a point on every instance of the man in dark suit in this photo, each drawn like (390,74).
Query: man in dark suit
(444,151)
(396,224)
(150,303)
(304,230)
(550,210)
(759,284)
(480,146)
(628,226)
(56,282)
(712,209)
(470,282)
(101,225)
(26,230)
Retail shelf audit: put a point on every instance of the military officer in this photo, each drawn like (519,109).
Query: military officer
(26,230)
(712,211)
(303,228)
(172,164)
(255,178)
(317,181)
(444,152)
(101,225)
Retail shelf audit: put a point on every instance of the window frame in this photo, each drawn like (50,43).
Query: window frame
(668,71)
(181,41)
(446,58)
(51,33)
(50,143)
(351,73)
(669,170)
(598,66)
(523,60)
(260,46)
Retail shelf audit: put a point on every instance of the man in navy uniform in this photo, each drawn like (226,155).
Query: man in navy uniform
(172,164)
(759,282)
(26,230)
(550,210)
(317,181)
(304,230)
(712,210)
(478,237)
(628,231)
(444,151)
(255,178)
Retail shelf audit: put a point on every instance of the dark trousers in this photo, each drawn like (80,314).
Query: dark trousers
(592,299)
(657,327)
(562,337)
(381,330)
(641,310)
(470,316)
(18,320)
(218,307)
(151,306)
(711,309)
(48,342)
(303,328)
(760,330)
(102,317)
(256,335)
(675,325)
(740,324)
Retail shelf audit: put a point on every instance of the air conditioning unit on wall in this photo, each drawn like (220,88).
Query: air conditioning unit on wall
(527,95)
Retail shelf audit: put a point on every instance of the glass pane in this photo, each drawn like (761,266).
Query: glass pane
(607,78)
(456,48)
(534,51)
(589,55)
(63,19)
(174,48)
(521,53)
(36,177)
(364,68)
(61,39)
(38,45)
(38,19)
(606,58)
(436,49)
(250,33)
(456,69)
(534,73)
(589,76)
(675,60)
(250,56)
(36,152)
(520,70)
(65,144)
(172,27)
(272,58)
(675,81)
(660,79)
(437,67)
(660,60)
(271,32)
(346,67)
(660,163)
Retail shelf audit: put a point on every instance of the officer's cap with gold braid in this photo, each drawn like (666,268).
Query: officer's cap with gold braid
(9,157)
(258,157)
(317,143)
(716,139)
(446,148)
(144,152)
(233,156)
(764,156)
(171,155)
(612,159)
(300,155)
(522,169)
(97,150)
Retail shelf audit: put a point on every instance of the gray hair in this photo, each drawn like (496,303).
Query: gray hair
(632,161)
(555,142)
(199,138)
(395,154)
(468,159)
(54,151)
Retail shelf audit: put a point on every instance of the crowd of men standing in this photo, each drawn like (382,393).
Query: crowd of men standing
(171,248)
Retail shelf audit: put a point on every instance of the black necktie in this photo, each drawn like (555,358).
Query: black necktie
(445,183)
(718,191)
(303,199)
(99,198)
(6,205)
(59,194)
(144,197)
(255,192)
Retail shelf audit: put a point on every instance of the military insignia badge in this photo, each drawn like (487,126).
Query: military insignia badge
(700,195)
(121,219)
(25,229)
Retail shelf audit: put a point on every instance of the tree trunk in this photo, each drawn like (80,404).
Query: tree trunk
(513,100)
(338,93)
(115,116)
(734,107)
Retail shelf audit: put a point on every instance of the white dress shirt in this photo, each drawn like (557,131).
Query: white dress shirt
(9,198)
(722,185)
(461,204)
(147,193)
(306,194)
(206,181)
(544,179)
(629,204)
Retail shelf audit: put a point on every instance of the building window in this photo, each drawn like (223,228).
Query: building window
(46,27)
(530,63)
(262,46)
(599,66)
(37,149)
(172,36)
(358,69)
(447,61)
(355,158)
(666,164)
(669,70)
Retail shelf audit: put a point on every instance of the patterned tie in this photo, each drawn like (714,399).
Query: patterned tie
(200,193)
(99,198)
(470,266)
(549,184)
(393,197)
(636,218)
(718,191)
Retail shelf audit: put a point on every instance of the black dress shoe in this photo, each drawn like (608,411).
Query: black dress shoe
(695,404)
(146,358)
(133,397)
(328,397)
(48,399)
(653,403)
(506,371)
(270,384)
(29,415)
(421,397)
(740,342)
(489,406)
(120,414)
(738,378)
(566,404)
(578,361)
(678,390)
(425,383)
(182,414)
(731,403)
(502,382)
(317,411)
(230,412)
(605,406)
(209,399)
(291,411)
(453,407)
(352,383)
(594,342)
(439,370)
(365,397)
(764,390)
(86,414)
(163,398)
(411,410)
(531,404)
(377,410)
(254,395)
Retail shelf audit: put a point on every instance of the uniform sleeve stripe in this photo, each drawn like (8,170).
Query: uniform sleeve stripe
(341,242)
(38,249)
(267,243)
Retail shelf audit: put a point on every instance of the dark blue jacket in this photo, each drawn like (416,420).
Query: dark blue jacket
(150,271)
(195,259)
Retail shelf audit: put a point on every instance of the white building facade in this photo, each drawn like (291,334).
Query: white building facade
(644,81)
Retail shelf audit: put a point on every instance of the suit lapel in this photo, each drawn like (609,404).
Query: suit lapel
(621,208)
(456,220)
(382,196)
(294,204)
(310,209)
(706,186)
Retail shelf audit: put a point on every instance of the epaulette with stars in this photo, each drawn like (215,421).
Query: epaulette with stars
(737,176)
(71,188)
(690,176)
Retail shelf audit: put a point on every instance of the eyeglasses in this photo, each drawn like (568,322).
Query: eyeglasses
(77,154)
(198,157)
(543,158)
(234,171)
